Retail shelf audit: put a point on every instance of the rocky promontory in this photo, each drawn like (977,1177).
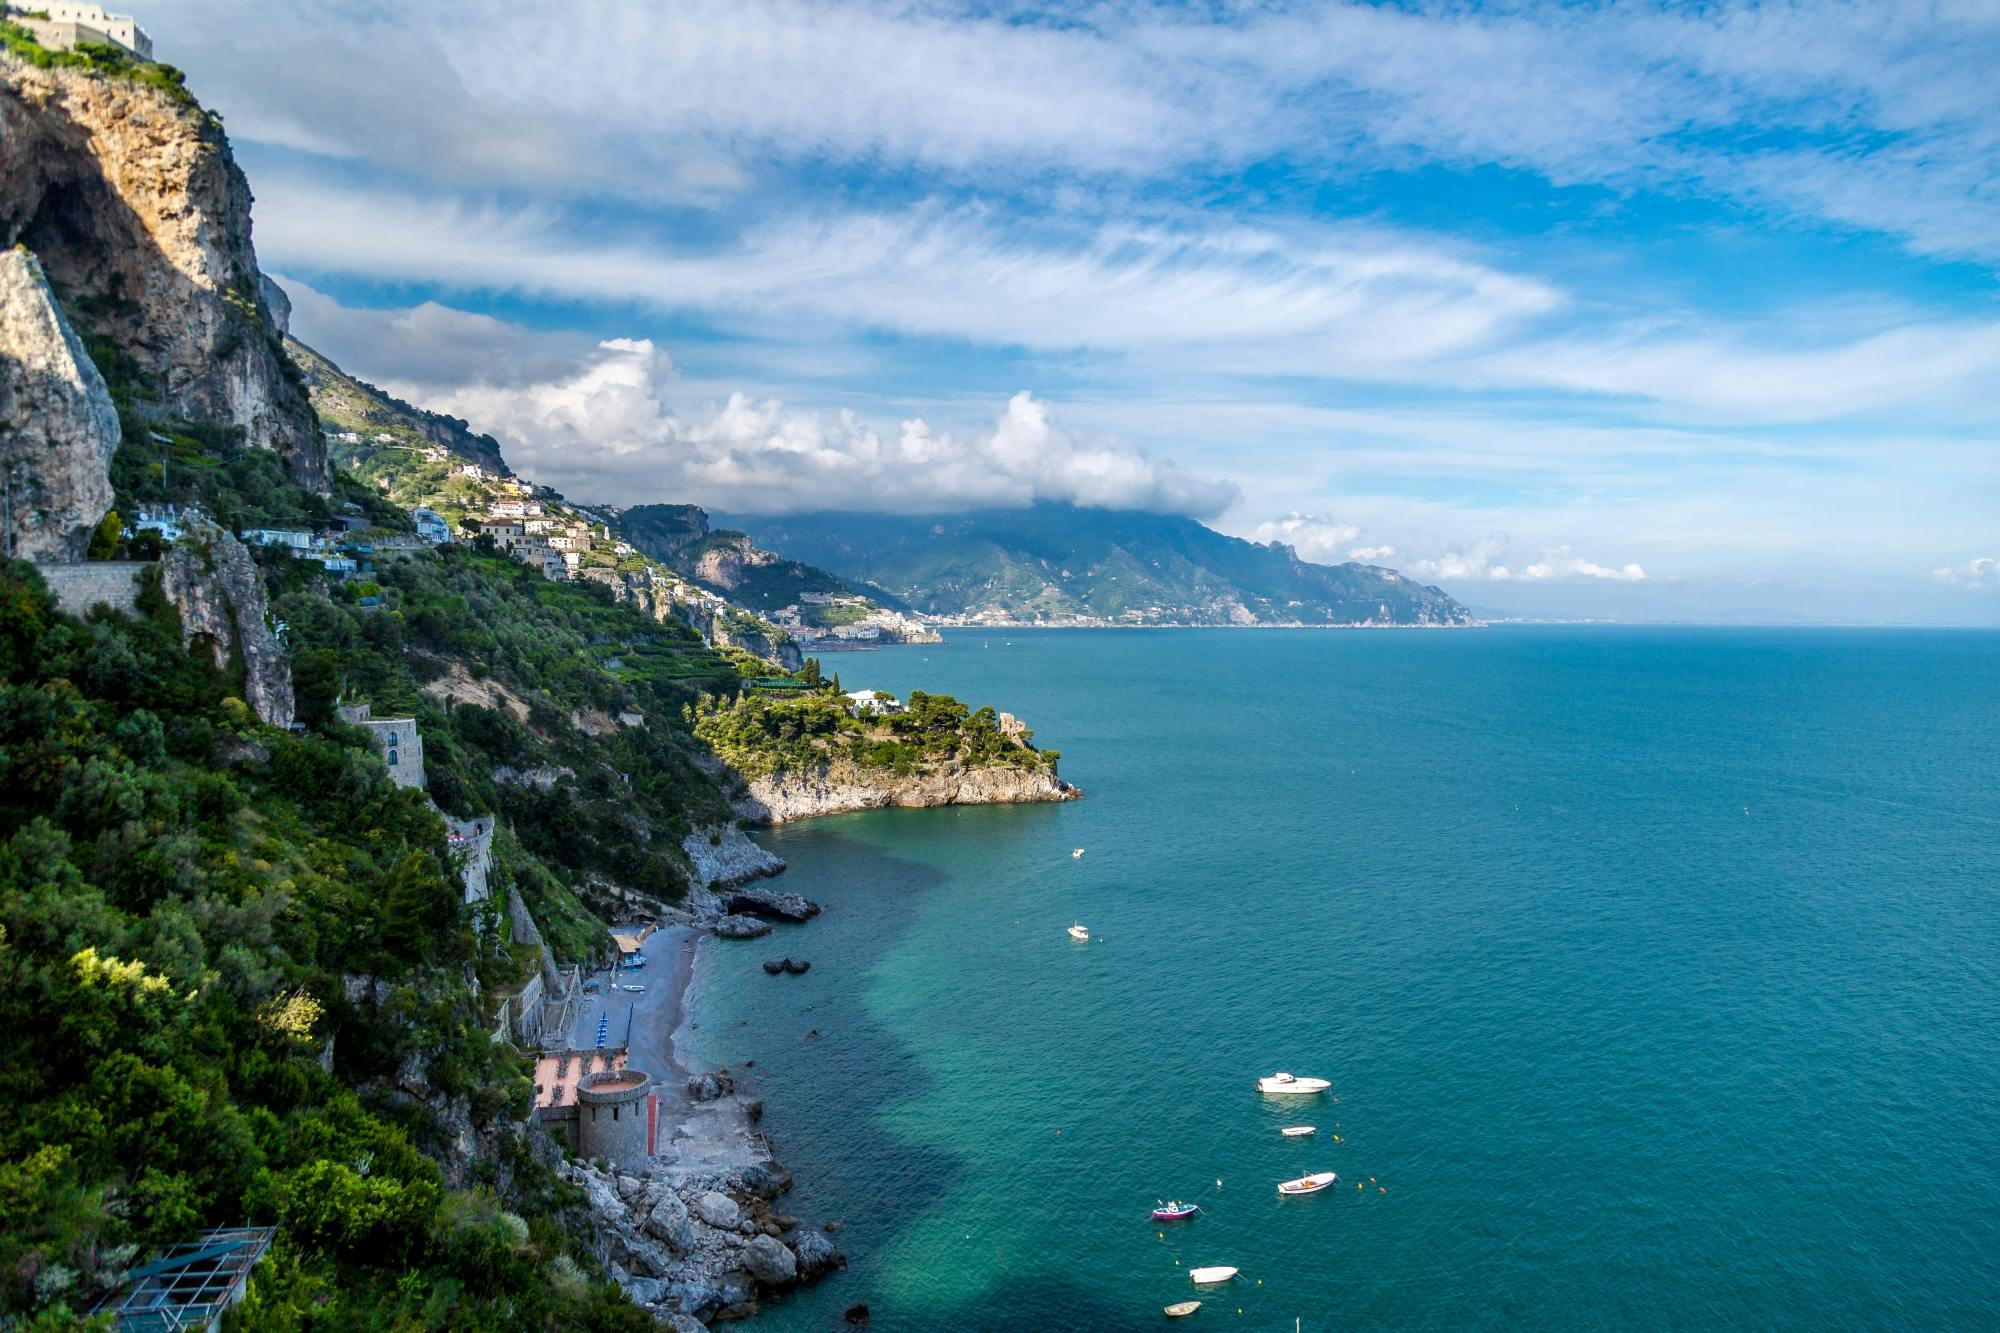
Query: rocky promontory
(840,785)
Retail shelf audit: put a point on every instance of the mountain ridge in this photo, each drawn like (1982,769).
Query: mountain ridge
(1065,565)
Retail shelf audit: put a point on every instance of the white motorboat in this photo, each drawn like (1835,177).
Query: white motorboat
(1297,1131)
(1079,933)
(1209,1276)
(1077,854)
(1308,1184)
(1290,1084)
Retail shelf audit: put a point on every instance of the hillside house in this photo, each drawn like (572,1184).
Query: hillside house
(295,538)
(873,703)
(431,527)
(60,26)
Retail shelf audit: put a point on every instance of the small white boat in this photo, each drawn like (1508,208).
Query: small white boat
(1208,1276)
(1308,1184)
(1297,1131)
(1077,855)
(1181,1309)
(1079,933)
(1290,1084)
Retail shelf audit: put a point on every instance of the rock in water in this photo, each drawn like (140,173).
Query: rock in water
(770,1262)
(857,1313)
(741,927)
(211,579)
(816,1255)
(760,901)
(58,428)
(775,965)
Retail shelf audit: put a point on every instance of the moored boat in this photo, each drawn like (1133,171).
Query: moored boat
(1174,1210)
(1297,1131)
(1181,1309)
(1291,1084)
(1209,1276)
(1307,1184)
(1079,933)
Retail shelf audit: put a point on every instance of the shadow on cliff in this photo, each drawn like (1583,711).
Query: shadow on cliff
(156,335)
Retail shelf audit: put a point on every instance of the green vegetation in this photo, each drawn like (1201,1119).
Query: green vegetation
(759,734)
(99,58)
(182,893)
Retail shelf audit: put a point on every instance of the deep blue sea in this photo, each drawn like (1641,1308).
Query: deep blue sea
(1657,972)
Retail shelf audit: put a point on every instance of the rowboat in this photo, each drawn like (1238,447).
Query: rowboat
(1297,1131)
(1308,1184)
(1175,1211)
(1291,1084)
(1079,933)
(1207,1276)
(1181,1309)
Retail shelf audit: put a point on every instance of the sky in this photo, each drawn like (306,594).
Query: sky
(1621,310)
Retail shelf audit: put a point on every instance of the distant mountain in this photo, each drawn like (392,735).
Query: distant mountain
(724,560)
(1059,564)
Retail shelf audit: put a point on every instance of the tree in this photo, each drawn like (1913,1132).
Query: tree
(810,672)
(104,540)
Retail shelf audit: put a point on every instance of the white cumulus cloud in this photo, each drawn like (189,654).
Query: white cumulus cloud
(608,430)
(1312,536)
(1981,574)
(1487,560)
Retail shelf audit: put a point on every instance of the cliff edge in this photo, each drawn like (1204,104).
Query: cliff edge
(129,196)
(841,785)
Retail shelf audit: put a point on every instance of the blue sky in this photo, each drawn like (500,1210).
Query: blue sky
(1626,310)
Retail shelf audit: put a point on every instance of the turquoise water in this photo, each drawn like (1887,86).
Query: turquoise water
(1657,973)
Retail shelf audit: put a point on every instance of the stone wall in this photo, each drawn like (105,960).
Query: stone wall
(77,588)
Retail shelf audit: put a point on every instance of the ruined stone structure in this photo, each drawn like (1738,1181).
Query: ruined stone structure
(397,741)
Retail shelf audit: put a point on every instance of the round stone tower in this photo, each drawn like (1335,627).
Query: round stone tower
(611,1115)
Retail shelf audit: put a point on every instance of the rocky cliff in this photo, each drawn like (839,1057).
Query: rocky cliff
(131,199)
(58,428)
(842,785)
(219,592)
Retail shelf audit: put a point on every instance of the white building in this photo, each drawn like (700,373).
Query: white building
(507,509)
(873,703)
(60,26)
(297,540)
(431,527)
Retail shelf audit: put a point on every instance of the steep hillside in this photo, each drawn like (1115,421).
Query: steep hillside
(1057,564)
(348,406)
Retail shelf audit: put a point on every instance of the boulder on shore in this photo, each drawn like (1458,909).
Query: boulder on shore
(816,1255)
(733,927)
(718,1210)
(770,1262)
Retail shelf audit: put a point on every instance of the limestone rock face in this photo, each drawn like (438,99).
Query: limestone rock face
(58,428)
(135,206)
(722,856)
(211,579)
(842,785)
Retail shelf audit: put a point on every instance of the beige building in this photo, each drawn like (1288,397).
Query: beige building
(66,25)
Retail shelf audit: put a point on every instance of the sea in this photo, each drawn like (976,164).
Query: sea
(1656,972)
